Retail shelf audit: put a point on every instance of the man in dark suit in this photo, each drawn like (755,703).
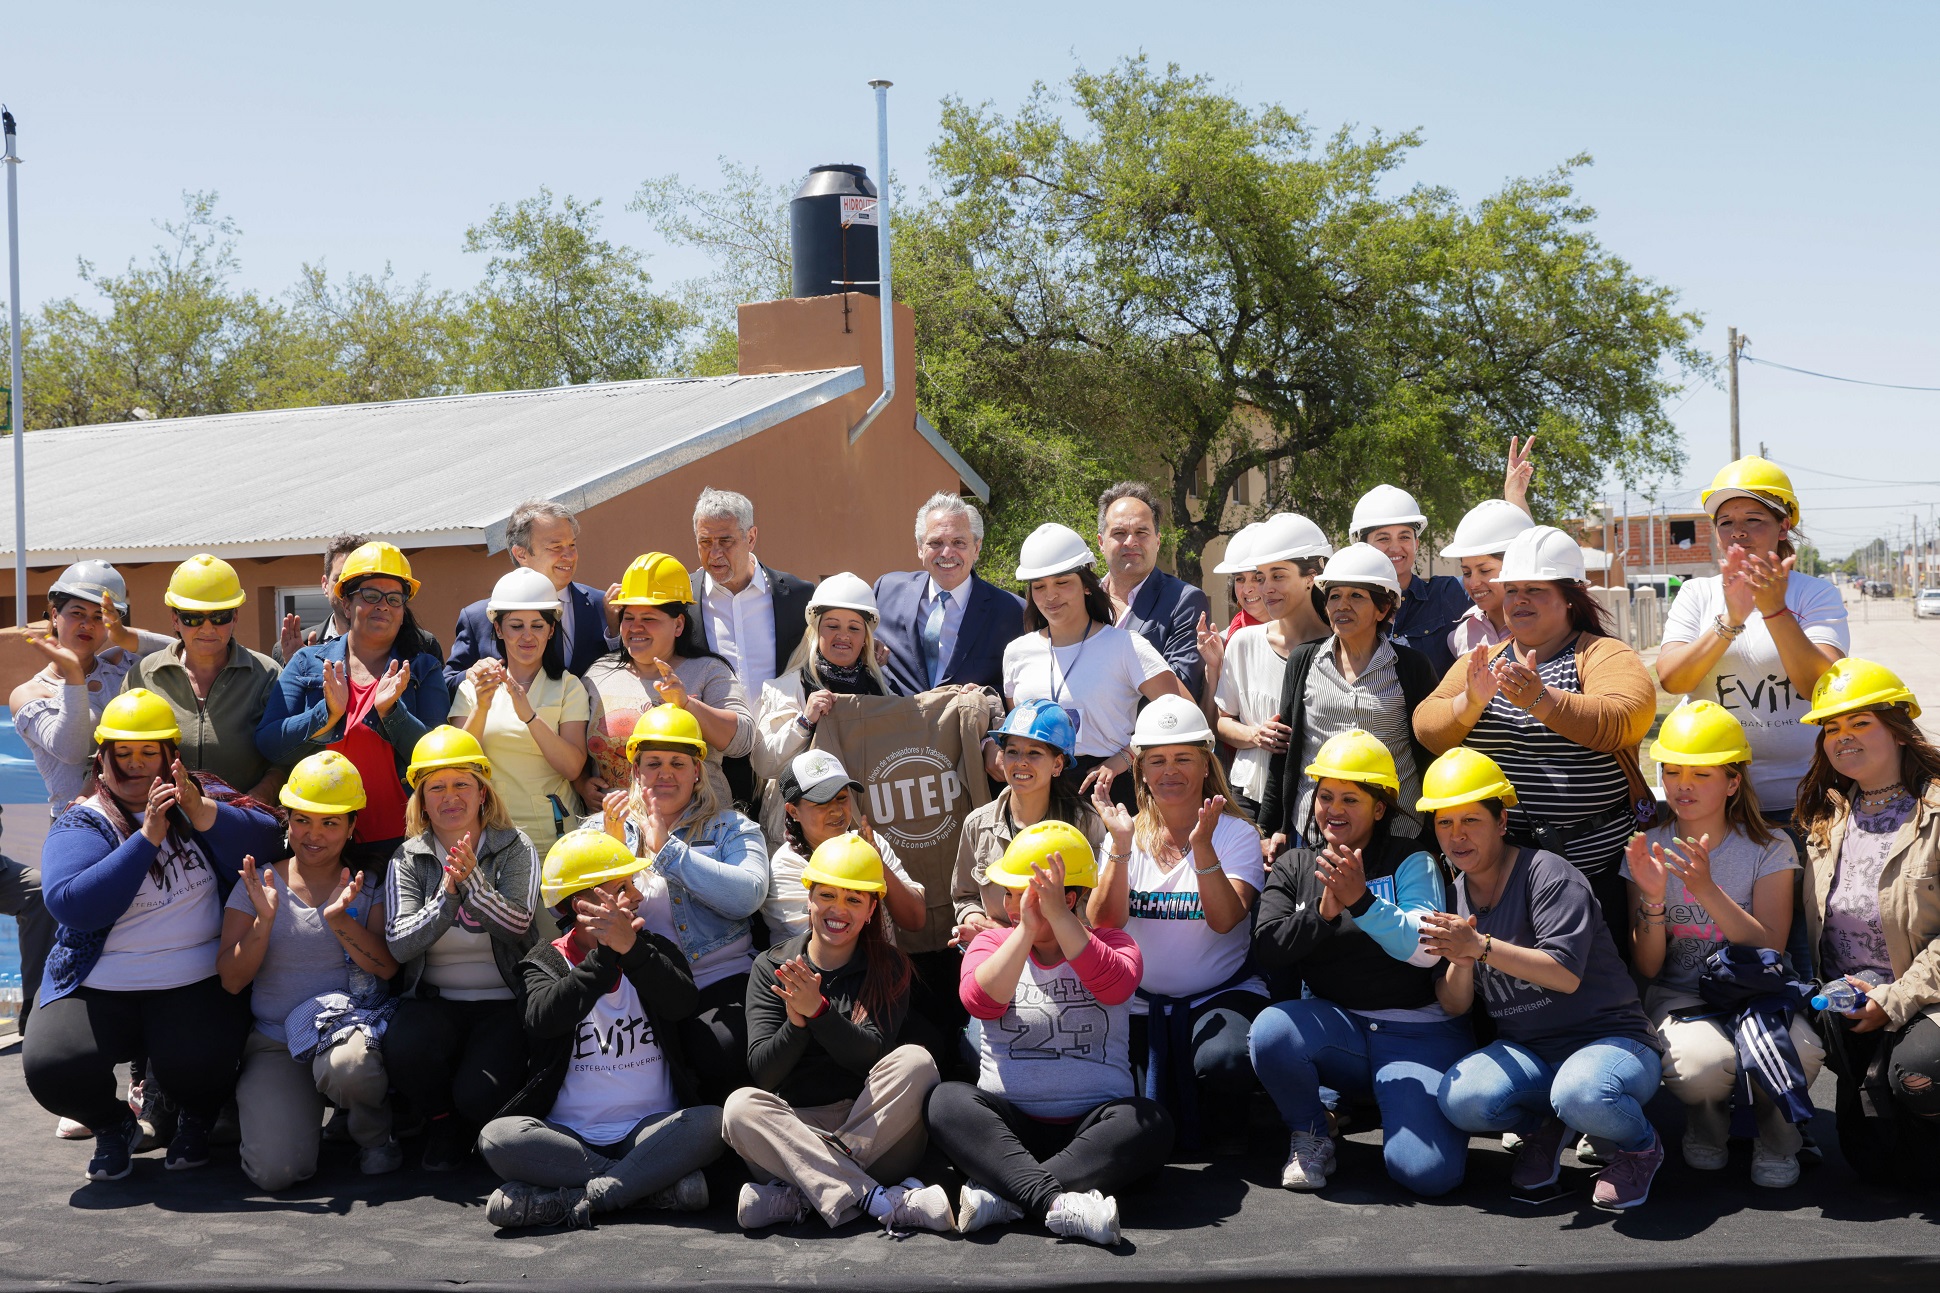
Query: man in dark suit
(753,615)
(542,536)
(1163,609)
(945,624)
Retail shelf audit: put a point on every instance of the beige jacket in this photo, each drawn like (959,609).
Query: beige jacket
(1909,906)
(986,834)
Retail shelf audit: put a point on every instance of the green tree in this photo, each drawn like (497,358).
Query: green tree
(369,337)
(743,227)
(560,305)
(1150,278)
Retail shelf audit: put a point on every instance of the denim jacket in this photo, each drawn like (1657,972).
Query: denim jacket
(716,882)
(296,709)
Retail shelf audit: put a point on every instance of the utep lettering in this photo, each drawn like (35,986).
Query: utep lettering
(924,796)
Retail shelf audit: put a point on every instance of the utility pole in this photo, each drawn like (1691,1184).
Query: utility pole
(16,425)
(1735,345)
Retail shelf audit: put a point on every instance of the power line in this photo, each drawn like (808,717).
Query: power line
(1851,381)
(1867,480)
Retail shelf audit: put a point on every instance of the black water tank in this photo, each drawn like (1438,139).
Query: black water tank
(827,255)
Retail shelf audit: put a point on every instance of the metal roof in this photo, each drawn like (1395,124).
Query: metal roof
(423,473)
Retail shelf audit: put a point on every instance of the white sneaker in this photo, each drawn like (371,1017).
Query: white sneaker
(926,1207)
(1773,1170)
(1310,1157)
(769,1205)
(68,1129)
(1091,1216)
(978,1207)
(1706,1157)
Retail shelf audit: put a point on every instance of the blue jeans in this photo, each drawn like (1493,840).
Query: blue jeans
(1599,1091)
(1298,1045)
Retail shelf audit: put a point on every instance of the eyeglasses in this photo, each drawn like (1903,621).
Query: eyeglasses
(372,597)
(195,619)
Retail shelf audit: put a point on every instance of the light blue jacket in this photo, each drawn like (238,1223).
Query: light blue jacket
(717,881)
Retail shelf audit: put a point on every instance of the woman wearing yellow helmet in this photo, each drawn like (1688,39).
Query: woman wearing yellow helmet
(299,929)
(1870,809)
(1714,875)
(610,1115)
(136,873)
(820,801)
(663,659)
(370,695)
(1756,637)
(707,877)
(1573,1048)
(217,687)
(461,897)
(834,1118)
(1346,919)
(1053,1123)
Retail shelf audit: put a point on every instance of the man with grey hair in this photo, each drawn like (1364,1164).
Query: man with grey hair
(944,623)
(540,535)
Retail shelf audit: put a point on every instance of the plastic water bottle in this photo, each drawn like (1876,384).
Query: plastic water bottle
(1840,996)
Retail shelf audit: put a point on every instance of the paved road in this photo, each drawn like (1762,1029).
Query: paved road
(1887,632)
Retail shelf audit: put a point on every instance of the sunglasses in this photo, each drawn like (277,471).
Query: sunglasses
(195,619)
(372,597)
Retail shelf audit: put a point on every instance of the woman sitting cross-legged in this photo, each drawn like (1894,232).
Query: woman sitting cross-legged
(303,928)
(1347,920)
(609,1117)
(1573,1047)
(1052,1122)
(835,1118)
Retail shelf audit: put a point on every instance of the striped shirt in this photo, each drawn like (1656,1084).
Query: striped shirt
(1374,703)
(1557,781)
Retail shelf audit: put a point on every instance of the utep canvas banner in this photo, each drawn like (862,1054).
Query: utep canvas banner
(921,759)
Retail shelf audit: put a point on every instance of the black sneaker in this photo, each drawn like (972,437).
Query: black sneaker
(114,1151)
(190,1145)
(447,1144)
(518,1206)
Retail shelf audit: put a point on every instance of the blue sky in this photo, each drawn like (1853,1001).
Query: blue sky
(1775,163)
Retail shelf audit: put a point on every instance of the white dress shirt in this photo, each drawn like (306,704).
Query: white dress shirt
(1130,598)
(946,643)
(741,626)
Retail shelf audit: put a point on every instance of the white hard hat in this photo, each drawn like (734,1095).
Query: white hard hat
(1487,528)
(91,581)
(1053,549)
(1385,505)
(1171,720)
(1239,551)
(1360,563)
(1285,536)
(523,589)
(1541,552)
(843,592)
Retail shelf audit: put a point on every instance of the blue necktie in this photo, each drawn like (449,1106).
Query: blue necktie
(933,636)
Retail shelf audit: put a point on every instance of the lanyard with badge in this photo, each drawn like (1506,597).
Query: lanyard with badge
(1061,676)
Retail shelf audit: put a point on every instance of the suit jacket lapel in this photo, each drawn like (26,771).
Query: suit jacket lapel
(973,625)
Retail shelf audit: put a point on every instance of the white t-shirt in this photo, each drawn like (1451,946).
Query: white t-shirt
(1749,678)
(1183,957)
(169,935)
(1249,690)
(657,909)
(617,1075)
(462,967)
(1096,681)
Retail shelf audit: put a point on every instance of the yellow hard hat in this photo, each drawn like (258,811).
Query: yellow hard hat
(666,725)
(204,583)
(137,714)
(377,558)
(1463,776)
(1755,478)
(581,859)
(846,861)
(1355,755)
(655,579)
(1701,733)
(1033,845)
(446,746)
(325,783)
(1852,684)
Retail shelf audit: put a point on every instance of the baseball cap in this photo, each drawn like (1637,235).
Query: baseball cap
(815,775)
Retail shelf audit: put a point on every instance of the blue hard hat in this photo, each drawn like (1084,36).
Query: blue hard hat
(1041,720)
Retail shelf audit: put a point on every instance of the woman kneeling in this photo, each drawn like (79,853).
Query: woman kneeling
(1051,1123)
(1574,1048)
(835,1117)
(608,1118)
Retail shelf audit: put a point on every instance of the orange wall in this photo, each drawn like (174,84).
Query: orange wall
(821,504)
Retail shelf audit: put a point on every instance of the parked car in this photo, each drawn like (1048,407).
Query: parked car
(1927,603)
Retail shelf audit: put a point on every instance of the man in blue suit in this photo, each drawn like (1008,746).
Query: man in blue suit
(1163,609)
(945,624)
(542,536)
